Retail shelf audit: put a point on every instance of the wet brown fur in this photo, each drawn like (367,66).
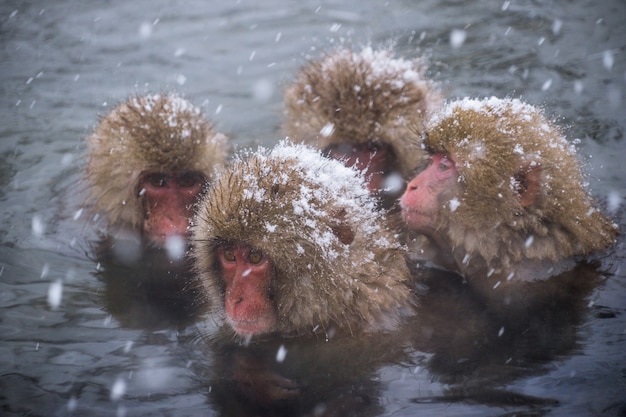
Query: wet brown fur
(158,133)
(355,280)
(501,150)
(363,104)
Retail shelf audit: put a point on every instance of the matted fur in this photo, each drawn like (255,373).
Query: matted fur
(290,202)
(494,142)
(361,97)
(159,133)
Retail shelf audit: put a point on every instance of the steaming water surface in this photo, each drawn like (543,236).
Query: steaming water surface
(79,338)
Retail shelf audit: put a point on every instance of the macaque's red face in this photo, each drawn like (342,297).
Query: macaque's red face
(423,199)
(168,202)
(247,275)
(375,161)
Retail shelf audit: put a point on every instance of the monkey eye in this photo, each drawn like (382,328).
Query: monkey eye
(443,165)
(374,146)
(422,166)
(228,255)
(255,257)
(189,179)
(156,180)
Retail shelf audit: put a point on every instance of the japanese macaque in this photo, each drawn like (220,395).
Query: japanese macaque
(287,241)
(355,106)
(503,197)
(149,161)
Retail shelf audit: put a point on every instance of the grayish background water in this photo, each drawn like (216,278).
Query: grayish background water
(64,62)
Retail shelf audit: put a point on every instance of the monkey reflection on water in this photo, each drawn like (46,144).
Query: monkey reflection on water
(149,160)
(287,241)
(503,201)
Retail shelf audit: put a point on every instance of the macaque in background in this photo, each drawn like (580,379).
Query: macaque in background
(287,241)
(149,160)
(503,198)
(355,105)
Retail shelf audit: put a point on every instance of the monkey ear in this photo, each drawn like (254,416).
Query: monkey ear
(341,228)
(529,184)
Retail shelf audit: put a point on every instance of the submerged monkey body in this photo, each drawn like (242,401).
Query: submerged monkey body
(334,263)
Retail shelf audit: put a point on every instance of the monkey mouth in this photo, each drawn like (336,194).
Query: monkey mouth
(249,328)
(416,219)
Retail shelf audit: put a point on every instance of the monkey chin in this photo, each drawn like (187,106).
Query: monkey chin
(417,220)
(246,329)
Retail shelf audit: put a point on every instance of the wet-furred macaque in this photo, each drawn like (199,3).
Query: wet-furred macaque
(355,106)
(287,241)
(149,161)
(503,198)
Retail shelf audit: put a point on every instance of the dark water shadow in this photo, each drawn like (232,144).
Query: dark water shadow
(477,352)
(148,290)
(303,376)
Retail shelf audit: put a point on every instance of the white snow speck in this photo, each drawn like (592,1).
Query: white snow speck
(327,130)
(281,354)
(393,183)
(262,90)
(614,201)
(578,86)
(118,389)
(145,30)
(454,204)
(501,331)
(556,26)
(546,85)
(72,403)
(181,79)
(38,228)
(45,270)
(608,60)
(55,293)
(457,38)
(529,241)
(175,246)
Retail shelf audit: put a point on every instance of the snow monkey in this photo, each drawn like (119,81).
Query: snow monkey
(503,196)
(355,106)
(149,159)
(287,241)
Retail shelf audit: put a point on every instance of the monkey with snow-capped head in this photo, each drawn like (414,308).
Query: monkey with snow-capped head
(503,197)
(355,106)
(287,241)
(148,161)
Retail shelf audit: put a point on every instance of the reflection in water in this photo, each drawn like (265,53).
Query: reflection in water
(296,377)
(150,292)
(472,351)
(476,352)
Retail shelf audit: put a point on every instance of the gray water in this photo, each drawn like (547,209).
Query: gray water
(112,347)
